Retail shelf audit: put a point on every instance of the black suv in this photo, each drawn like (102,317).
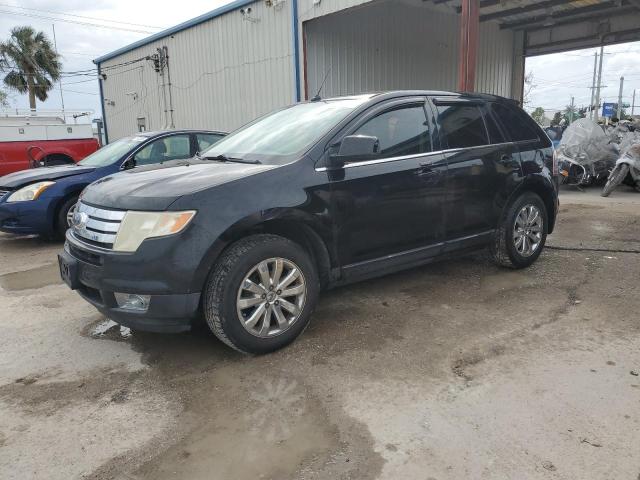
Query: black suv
(309,197)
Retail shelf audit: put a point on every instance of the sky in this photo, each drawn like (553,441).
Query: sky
(556,77)
(80,44)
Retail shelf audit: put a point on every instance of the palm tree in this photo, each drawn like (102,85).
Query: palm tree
(32,63)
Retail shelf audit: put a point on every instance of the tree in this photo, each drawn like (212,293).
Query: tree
(538,115)
(570,114)
(32,63)
(557,119)
(529,86)
(3,99)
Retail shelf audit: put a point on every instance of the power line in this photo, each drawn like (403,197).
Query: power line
(76,22)
(42,10)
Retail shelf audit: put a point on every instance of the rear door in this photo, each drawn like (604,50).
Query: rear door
(479,164)
(520,128)
(393,202)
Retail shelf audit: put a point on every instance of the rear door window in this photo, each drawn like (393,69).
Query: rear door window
(164,149)
(515,123)
(495,135)
(205,140)
(401,131)
(462,126)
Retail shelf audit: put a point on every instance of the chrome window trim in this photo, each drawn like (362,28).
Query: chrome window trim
(367,163)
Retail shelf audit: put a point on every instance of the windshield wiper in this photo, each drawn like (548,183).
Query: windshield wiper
(224,158)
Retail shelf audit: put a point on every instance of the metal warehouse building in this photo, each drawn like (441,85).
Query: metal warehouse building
(226,67)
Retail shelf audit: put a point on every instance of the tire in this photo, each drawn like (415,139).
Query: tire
(61,220)
(617,175)
(506,249)
(223,294)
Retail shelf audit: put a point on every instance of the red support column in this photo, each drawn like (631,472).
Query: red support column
(469,39)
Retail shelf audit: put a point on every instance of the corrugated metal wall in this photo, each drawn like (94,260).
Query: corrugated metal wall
(225,72)
(229,70)
(309,9)
(400,45)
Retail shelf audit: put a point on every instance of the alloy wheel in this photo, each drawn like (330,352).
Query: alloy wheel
(70,213)
(527,230)
(271,297)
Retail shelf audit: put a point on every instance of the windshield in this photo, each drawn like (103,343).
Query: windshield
(286,132)
(111,153)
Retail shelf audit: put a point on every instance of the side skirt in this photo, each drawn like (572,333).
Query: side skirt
(396,262)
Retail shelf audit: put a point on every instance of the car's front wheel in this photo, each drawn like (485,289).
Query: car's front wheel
(522,233)
(261,293)
(65,217)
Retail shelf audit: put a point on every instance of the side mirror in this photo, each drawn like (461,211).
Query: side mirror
(128,163)
(355,147)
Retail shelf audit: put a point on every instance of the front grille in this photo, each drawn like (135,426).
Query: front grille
(97,226)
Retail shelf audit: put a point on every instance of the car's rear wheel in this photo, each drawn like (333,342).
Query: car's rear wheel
(260,295)
(522,233)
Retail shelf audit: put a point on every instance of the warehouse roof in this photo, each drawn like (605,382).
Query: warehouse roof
(178,28)
(535,18)
(517,14)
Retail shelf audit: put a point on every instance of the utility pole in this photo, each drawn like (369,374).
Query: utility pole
(55,47)
(571,111)
(633,103)
(599,82)
(619,113)
(593,85)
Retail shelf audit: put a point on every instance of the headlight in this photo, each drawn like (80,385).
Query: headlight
(30,192)
(136,227)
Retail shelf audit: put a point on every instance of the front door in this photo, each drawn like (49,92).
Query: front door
(391,203)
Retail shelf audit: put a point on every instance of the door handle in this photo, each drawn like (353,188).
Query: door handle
(506,159)
(426,169)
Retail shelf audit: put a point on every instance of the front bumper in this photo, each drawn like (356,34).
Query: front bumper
(93,273)
(25,218)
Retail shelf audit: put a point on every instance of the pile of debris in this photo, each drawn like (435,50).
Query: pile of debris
(588,152)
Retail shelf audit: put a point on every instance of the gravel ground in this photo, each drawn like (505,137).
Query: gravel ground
(450,371)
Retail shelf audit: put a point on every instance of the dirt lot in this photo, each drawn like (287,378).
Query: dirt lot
(457,370)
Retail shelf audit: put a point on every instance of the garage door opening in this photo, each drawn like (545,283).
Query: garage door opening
(408,44)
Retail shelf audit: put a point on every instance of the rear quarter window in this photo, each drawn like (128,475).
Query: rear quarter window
(517,125)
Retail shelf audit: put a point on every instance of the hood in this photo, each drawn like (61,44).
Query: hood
(157,188)
(26,177)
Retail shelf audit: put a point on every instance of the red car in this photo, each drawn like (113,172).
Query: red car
(22,146)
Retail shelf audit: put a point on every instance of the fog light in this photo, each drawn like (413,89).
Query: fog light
(132,301)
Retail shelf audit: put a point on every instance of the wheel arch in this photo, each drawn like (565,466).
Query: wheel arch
(58,205)
(541,187)
(296,226)
(58,155)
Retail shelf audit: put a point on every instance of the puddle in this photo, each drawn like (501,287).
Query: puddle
(29,279)
(110,330)
(247,428)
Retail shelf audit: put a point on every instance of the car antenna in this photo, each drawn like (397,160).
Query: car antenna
(317,98)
